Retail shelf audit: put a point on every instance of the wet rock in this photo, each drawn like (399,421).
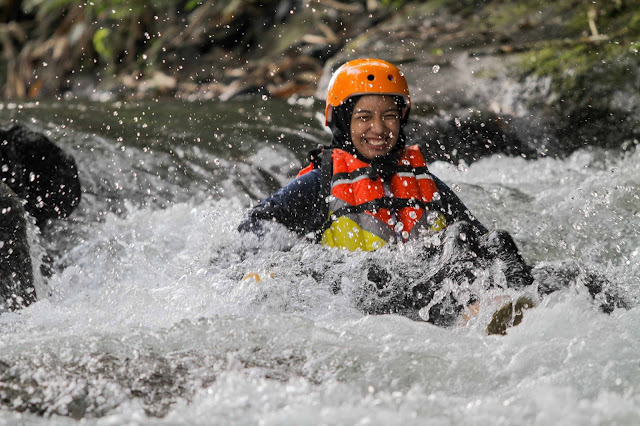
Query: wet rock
(16,270)
(445,277)
(39,172)
(468,136)
(602,127)
(509,315)
(552,277)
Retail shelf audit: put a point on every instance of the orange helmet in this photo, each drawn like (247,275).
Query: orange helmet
(366,77)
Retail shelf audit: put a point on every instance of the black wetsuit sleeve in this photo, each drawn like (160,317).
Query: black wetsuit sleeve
(454,209)
(296,206)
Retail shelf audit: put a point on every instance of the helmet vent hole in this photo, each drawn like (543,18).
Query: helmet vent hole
(371,77)
(390,77)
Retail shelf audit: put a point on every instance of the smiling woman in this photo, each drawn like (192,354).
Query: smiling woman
(368,189)
(380,187)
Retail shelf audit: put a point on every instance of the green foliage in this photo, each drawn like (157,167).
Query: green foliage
(116,23)
(575,67)
(463,8)
(509,14)
(192,4)
(117,9)
(463,4)
(101,44)
(611,18)
(556,62)
(394,3)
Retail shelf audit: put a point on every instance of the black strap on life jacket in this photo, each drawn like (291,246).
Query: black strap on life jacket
(321,158)
(325,185)
(315,156)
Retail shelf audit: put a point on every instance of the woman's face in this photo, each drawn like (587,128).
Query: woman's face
(375,125)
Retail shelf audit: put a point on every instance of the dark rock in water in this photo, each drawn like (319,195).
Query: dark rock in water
(499,245)
(509,315)
(437,284)
(562,275)
(593,126)
(16,271)
(468,137)
(39,172)
(38,178)
(464,255)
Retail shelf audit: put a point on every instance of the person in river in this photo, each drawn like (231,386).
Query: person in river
(368,188)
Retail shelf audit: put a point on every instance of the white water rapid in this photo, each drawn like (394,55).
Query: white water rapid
(147,320)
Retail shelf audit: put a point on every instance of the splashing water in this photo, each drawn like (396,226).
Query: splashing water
(159,312)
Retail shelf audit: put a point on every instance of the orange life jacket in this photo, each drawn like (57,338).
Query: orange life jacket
(366,213)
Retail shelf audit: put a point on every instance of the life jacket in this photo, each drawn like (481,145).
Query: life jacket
(366,213)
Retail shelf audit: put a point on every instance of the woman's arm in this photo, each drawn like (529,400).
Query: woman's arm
(454,209)
(295,206)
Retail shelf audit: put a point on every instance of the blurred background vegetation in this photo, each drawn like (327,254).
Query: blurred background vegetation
(50,47)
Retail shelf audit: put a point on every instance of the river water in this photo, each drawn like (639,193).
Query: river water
(148,318)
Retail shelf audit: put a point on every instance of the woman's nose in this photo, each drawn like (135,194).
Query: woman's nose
(377,125)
